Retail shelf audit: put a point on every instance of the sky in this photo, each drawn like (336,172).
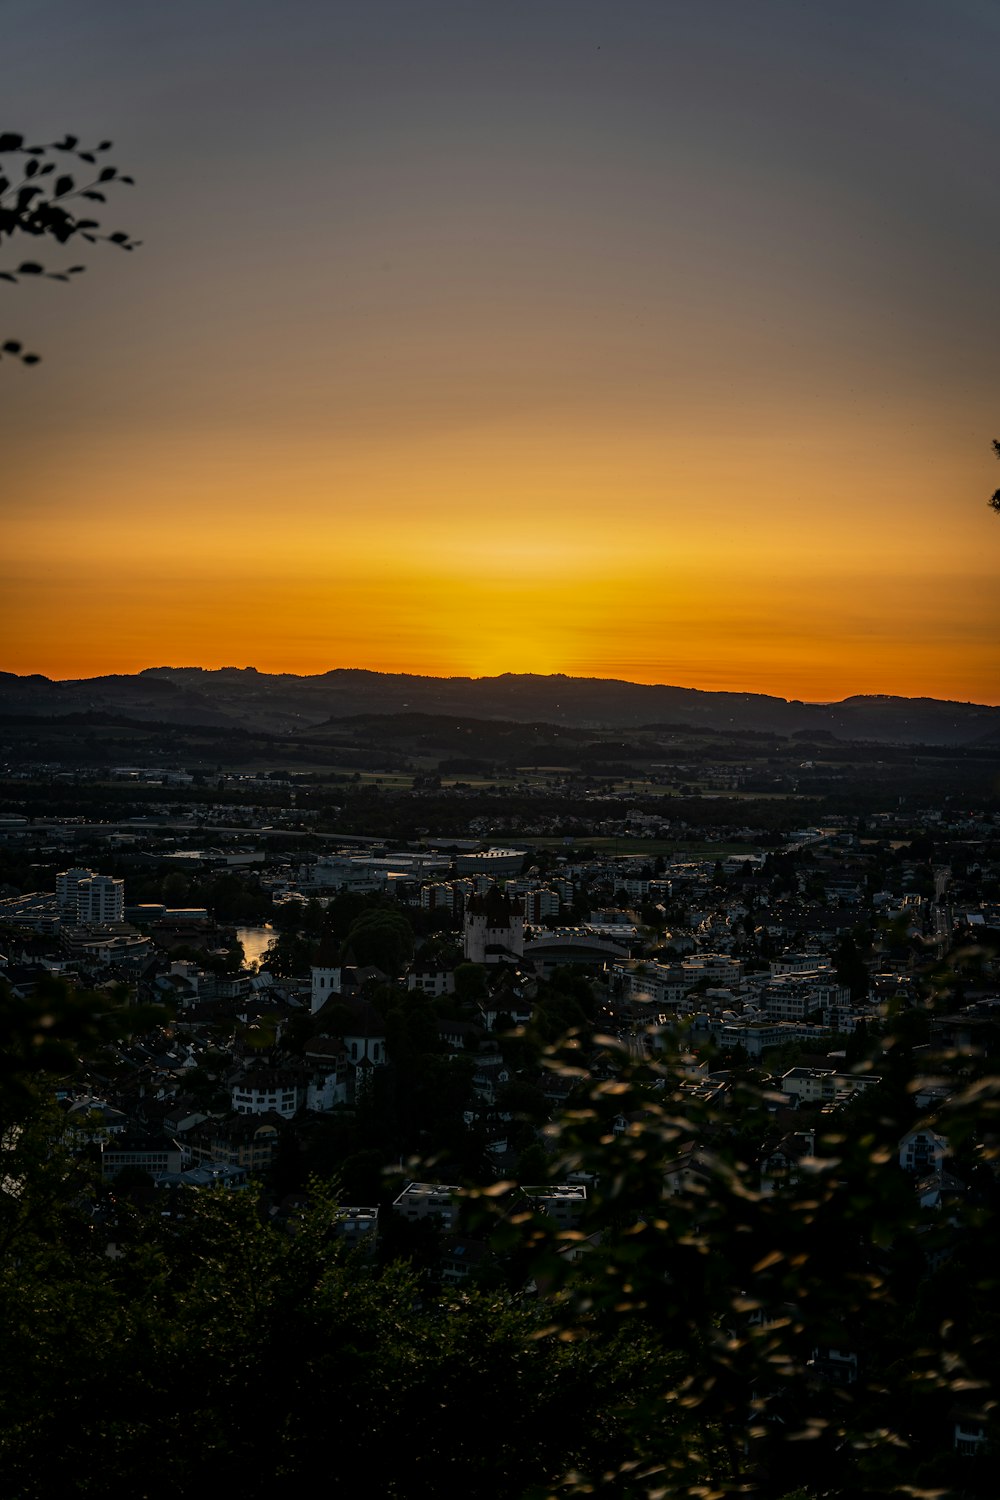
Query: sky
(655,339)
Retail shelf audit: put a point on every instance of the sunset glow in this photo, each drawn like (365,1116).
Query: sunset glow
(535,340)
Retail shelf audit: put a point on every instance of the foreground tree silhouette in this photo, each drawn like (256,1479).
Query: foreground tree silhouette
(995,497)
(211,1349)
(40,199)
(827,1330)
(711,1330)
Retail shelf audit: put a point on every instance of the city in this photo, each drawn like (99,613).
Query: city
(387,1016)
(499,750)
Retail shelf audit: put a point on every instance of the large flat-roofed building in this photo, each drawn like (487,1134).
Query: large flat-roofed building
(564,1202)
(429,1200)
(492,862)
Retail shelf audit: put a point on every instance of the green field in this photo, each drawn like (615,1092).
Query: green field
(628,848)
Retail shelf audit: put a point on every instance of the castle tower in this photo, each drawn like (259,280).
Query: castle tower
(494,928)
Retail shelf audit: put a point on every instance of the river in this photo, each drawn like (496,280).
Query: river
(255,941)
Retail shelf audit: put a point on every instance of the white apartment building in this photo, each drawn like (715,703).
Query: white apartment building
(539,904)
(564,1202)
(794,996)
(429,1200)
(267,1092)
(100,898)
(67,884)
(717,968)
(824,1085)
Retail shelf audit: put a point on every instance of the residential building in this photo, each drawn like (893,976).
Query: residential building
(100,899)
(428,1200)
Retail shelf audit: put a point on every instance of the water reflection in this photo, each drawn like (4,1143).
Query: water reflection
(255,941)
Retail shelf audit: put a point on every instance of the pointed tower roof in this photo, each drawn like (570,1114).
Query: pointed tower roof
(495,905)
(328,953)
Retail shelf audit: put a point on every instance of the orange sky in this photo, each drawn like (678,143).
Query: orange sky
(661,349)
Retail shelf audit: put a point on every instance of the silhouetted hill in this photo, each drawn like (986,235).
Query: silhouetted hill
(282,701)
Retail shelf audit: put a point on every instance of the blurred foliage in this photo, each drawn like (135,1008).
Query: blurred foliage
(217,1351)
(706,1329)
(44,1032)
(826,1329)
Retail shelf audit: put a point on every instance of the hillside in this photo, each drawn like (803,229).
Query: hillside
(282,702)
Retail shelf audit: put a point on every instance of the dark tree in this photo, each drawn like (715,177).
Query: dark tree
(995,497)
(40,199)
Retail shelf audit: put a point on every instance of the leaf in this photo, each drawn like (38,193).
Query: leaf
(86,155)
(118,238)
(31,359)
(106,174)
(31,167)
(31,268)
(12,347)
(11,142)
(63,185)
(104,146)
(98,197)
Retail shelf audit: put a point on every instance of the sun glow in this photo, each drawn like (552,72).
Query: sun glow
(609,363)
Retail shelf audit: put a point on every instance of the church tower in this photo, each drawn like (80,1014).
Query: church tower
(325,973)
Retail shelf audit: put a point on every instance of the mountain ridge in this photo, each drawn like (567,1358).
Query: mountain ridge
(247,697)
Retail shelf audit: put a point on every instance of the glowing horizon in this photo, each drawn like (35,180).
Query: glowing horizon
(658,346)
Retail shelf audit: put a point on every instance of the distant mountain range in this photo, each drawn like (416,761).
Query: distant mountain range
(279,702)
